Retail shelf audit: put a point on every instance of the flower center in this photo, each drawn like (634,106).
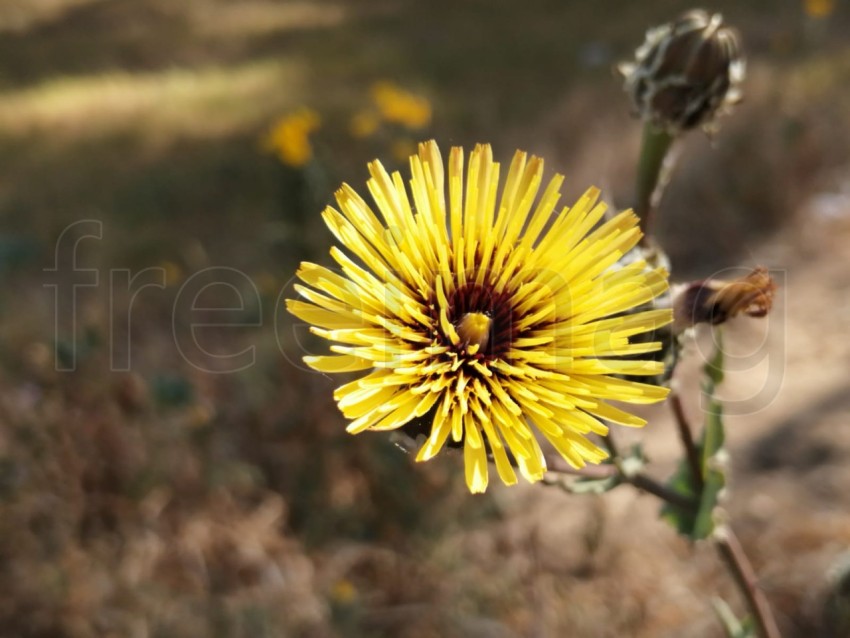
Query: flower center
(483,320)
(474,329)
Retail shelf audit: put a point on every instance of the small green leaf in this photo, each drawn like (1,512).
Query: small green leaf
(682,482)
(714,477)
(699,524)
(713,368)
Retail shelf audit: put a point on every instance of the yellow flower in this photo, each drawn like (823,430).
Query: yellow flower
(482,314)
(290,137)
(401,148)
(818,8)
(401,107)
(172,271)
(343,592)
(364,124)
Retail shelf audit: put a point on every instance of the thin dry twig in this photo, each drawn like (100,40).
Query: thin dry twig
(686,436)
(647,483)
(739,565)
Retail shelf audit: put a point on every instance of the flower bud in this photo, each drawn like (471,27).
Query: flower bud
(686,72)
(714,301)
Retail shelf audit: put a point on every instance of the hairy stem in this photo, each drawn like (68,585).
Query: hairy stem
(651,165)
(687,439)
(611,444)
(645,482)
(739,565)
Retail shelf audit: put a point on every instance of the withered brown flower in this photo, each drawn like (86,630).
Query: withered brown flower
(714,301)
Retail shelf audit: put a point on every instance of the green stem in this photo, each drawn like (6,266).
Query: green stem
(727,543)
(654,146)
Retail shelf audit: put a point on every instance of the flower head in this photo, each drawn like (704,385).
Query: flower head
(715,301)
(818,8)
(488,315)
(289,137)
(686,72)
(399,106)
(364,123)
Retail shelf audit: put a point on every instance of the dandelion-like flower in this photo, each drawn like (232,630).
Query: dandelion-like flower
(398,106)
(363,124)
(490,316)
(289,138)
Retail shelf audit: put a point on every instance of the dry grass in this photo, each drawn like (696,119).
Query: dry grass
(195,103)
(167,501)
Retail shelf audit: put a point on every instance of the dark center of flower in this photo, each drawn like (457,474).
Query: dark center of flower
(481,318)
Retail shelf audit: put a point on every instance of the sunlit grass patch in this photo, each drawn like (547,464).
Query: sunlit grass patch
(18,16)
(204,102)
(257,18)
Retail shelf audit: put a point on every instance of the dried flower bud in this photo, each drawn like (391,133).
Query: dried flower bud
(686,72)
(714,301)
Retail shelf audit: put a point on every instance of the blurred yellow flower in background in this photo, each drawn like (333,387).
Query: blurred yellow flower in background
(364,124)
(402,148)
(818,8)
(483,316)
(343,591)
(398,106)
(172,271)
(289,137)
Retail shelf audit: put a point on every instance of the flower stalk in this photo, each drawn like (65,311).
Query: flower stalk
(652,173)
(727,543)
(687,439)
(732,553)
(684,75)
(643,482)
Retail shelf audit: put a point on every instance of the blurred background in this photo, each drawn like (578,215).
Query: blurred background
(167,466)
